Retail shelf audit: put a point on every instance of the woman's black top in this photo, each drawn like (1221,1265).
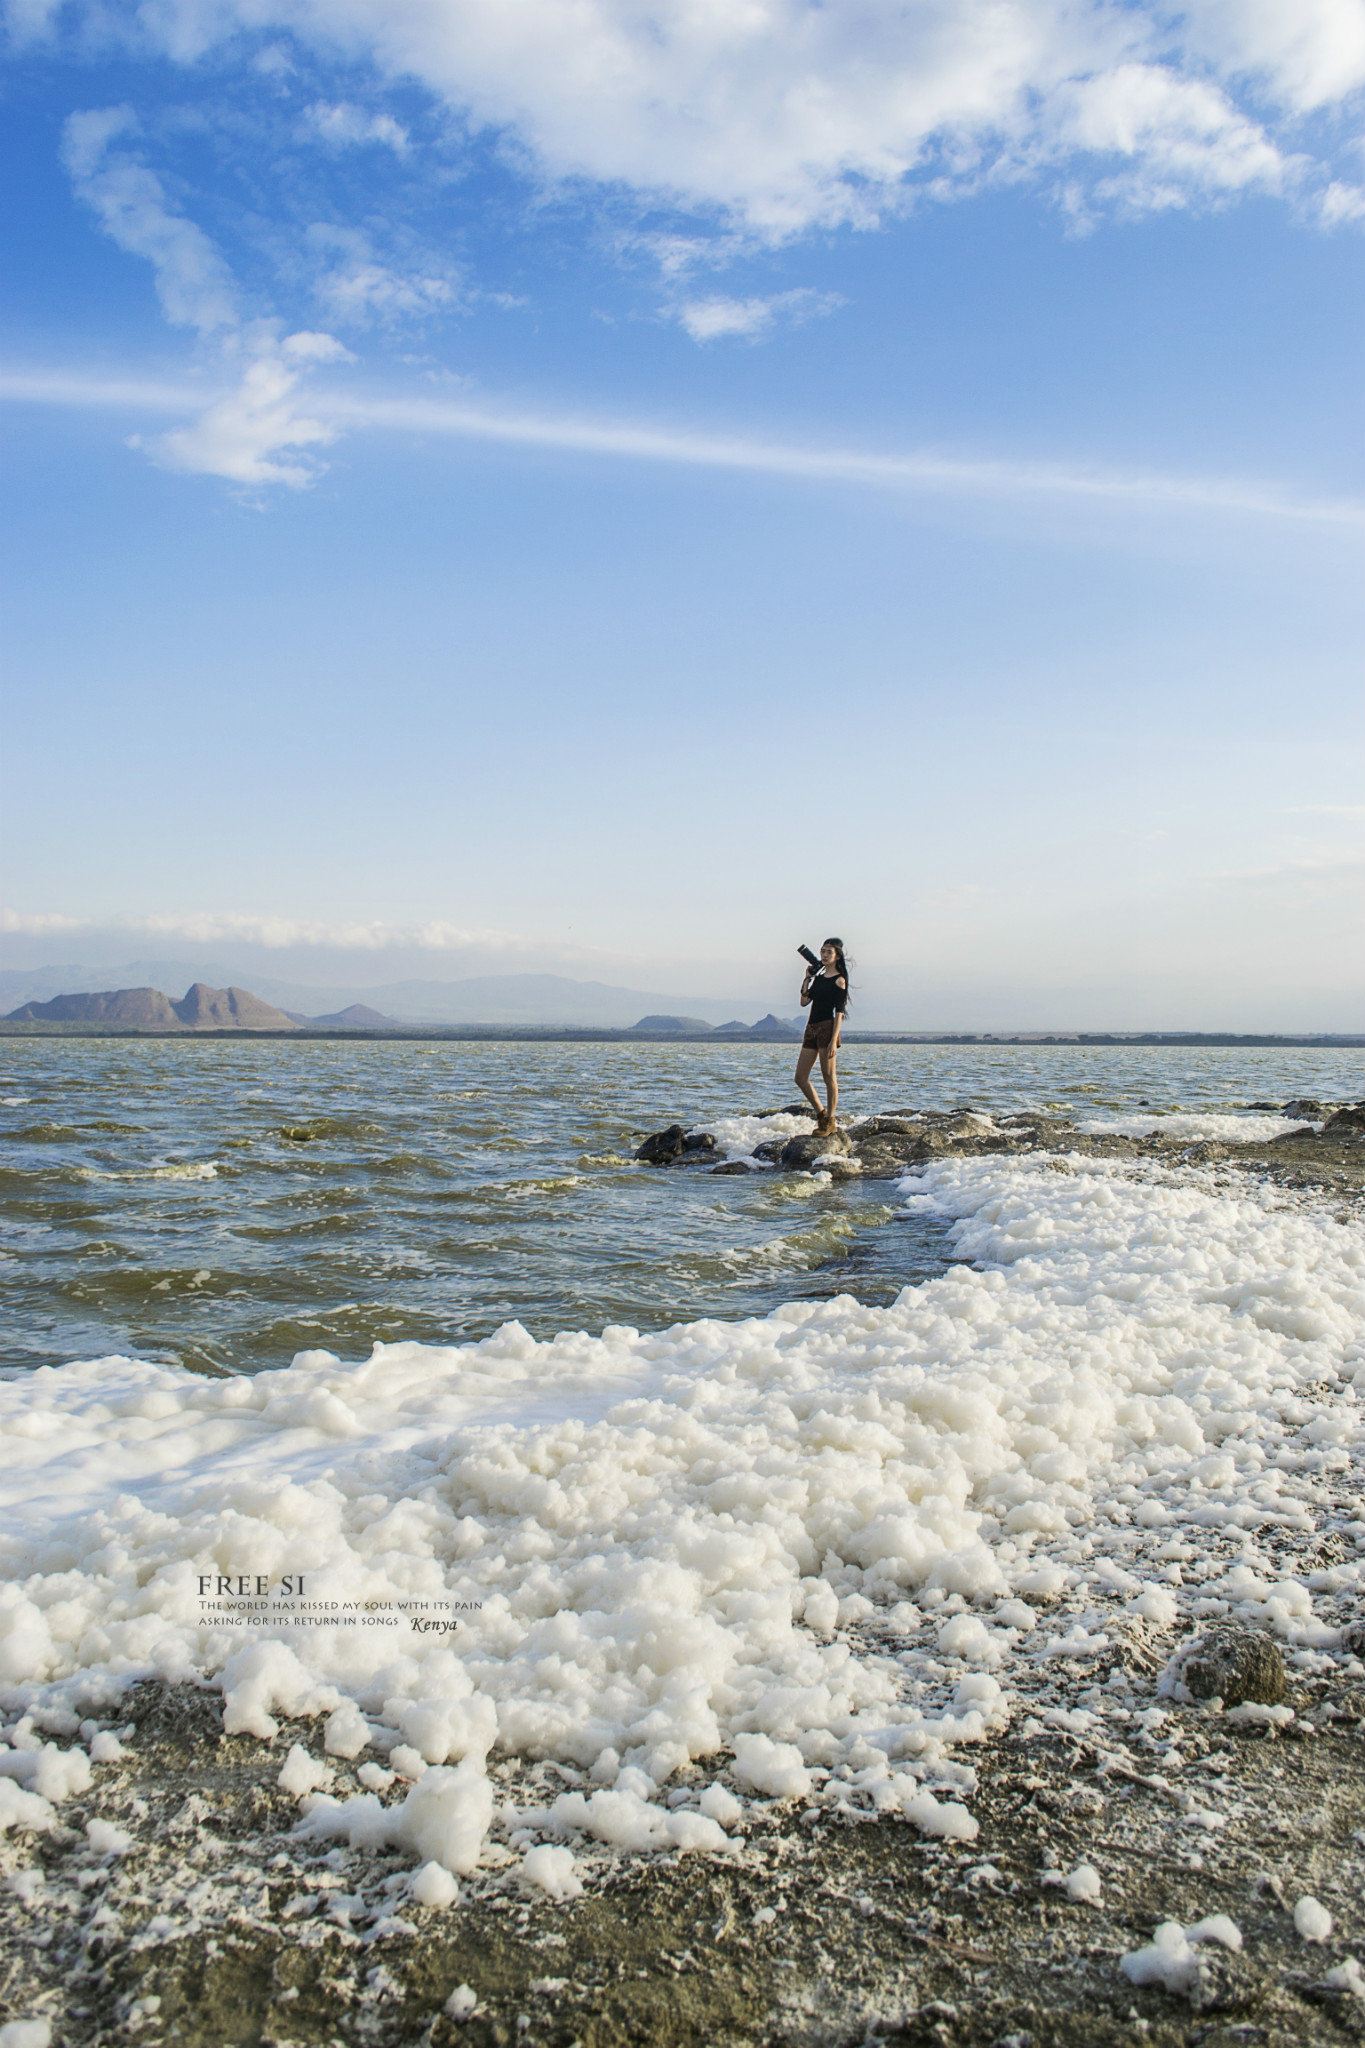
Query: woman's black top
(826,997)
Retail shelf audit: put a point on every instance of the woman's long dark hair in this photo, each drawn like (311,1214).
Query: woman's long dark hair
(841,967)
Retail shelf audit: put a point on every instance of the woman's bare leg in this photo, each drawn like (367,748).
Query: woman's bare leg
(805,1061)
(828,1056)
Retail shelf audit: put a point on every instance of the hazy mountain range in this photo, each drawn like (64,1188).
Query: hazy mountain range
(483,999)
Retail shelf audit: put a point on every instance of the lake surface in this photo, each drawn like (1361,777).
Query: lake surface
(225,1204)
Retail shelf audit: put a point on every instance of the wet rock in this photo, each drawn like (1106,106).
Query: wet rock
(662,1146)
(1302,1105)
(701,1141)
(805,1150)
(1347,1122)
(1353,1638)
(1234,1665)
(733,1166)
(770,1150)
(889,1156)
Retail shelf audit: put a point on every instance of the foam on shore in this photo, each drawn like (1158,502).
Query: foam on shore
(663,1545)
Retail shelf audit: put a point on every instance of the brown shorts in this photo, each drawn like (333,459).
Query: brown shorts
(818,1036)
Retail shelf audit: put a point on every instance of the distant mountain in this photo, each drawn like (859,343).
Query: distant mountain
(671,1024)
(775,1027)
(358,1017)
(146,1009)
(530,999)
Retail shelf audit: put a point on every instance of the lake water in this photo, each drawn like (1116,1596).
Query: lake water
(225,1204)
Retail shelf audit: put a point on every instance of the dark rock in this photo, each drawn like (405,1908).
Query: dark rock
(700,1141)
(1353,1638)
(891,1155)
(771,1151)
(662,1146)
(803,1151)
(1302,1105)
(733,1166)
(1234,1665)
(1346,1121)
(888,1127)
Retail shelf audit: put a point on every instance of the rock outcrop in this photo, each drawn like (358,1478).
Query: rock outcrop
(201,1008)
(135,1009)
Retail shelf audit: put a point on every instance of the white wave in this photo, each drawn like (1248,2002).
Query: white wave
(1245,1128)
(665,1530)
(200,1169)
(736,1136)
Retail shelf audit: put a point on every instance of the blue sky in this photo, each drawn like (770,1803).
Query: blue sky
(615,489)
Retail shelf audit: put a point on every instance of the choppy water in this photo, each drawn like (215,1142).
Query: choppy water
(226,1204)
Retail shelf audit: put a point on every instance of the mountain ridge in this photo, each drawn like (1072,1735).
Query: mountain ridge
(533,999)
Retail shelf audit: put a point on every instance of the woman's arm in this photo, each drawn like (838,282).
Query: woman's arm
(835,1037)
(805,992)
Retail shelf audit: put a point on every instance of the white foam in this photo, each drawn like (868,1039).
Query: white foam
(1243,1128)
(737,1136)
(1312,1922)
(651,1539)
(1172,1958)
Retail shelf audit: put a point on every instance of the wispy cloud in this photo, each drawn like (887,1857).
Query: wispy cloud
(715,317)
(193,283)
(344,126)
(263,929)
(243,434)
(926,472)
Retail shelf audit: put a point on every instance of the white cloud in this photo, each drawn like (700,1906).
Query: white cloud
(788,113)
(709,319)
(243,435)
(1341,203)
(192,281)
(1306,53)
(345,126)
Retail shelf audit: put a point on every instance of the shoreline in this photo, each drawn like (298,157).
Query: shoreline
(570,1034)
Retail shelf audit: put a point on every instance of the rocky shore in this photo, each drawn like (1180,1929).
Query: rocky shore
(1329,1150)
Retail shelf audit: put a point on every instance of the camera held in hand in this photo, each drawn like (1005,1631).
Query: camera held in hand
(806,954)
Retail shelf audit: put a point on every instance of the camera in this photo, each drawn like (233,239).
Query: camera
(806,954)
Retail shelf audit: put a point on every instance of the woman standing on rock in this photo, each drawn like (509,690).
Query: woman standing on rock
(825,993)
